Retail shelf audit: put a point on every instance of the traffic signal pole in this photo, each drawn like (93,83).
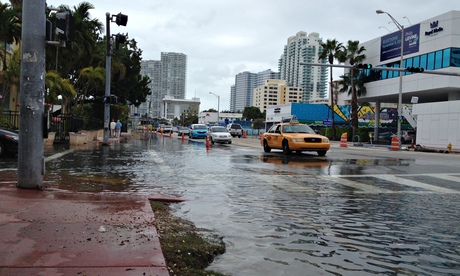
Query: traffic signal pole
(107,80)
(31,166)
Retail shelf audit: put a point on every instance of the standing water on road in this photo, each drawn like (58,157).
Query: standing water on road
(277,218)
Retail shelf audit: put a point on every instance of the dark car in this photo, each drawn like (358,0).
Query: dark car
(8,142)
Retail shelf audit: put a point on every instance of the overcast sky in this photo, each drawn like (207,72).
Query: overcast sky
(222,38)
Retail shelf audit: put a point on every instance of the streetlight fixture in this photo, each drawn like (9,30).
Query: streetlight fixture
(401,28)
(218,103)
(121,20)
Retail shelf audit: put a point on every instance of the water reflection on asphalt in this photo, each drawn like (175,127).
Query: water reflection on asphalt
(278,215)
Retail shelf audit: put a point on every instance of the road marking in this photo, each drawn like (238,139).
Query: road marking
(416,184)
(58,155)
(356,185)
(398,179)
(165,169)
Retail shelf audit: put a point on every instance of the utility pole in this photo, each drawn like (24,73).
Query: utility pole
(120,19)
(108,53)
(31,165)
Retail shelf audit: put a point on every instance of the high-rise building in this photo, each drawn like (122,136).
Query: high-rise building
(168,77)
(268,74)
(275,92)
(245,83)
(312,79)
(241,92)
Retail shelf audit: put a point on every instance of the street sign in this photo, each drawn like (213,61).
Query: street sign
(327,121)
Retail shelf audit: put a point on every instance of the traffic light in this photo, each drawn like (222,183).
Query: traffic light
(112,99)
(363,66)
(119,39)
(65,26)
(415,69)
(121,19)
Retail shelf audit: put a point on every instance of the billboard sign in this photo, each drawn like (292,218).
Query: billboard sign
(390,45)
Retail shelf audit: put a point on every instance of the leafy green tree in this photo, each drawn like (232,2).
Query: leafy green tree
(10,27)
(10,32)
(132,87)
(90,81)
(332,49)
(57,86)
(258,124)
(84,51)
(353,83)
(210,110)
(252,112)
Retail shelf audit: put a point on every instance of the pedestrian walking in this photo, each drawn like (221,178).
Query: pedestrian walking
(118,129)
(112,128)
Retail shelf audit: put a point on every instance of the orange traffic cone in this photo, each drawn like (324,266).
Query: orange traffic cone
(394,143)
(245,134)
(208,145)
(343,140)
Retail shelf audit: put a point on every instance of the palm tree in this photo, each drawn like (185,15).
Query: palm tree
(331,50)
(353,54)
(84,51)
(57,86)
(91,80)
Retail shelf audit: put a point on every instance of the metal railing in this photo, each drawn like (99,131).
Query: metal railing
(61,125)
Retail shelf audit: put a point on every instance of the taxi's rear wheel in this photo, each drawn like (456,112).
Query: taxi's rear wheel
(266,147)
(286,149)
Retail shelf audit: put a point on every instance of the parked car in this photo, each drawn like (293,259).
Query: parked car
(293,136)
(198,131)
(219,134)
(166,128)
(9,142)
(235,130)
(183,130)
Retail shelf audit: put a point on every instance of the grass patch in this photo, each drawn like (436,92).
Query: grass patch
(187,249)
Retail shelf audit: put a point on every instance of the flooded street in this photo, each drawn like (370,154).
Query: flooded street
(295,215)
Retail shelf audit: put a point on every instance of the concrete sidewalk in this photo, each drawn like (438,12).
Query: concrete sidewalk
(56,232)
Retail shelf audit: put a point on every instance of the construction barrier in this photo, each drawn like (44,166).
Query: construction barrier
(208,144)
(343,140)
(394,143)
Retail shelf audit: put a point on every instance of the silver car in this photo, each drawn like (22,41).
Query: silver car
(219,134)
(183,130)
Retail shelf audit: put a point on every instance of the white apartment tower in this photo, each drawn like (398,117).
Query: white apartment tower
(275,92)
(168,78)
(312,79)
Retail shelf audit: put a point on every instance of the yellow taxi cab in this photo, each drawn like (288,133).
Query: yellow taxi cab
(293,136)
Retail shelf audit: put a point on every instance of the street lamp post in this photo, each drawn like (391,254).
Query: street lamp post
(401,28)
(218,103)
